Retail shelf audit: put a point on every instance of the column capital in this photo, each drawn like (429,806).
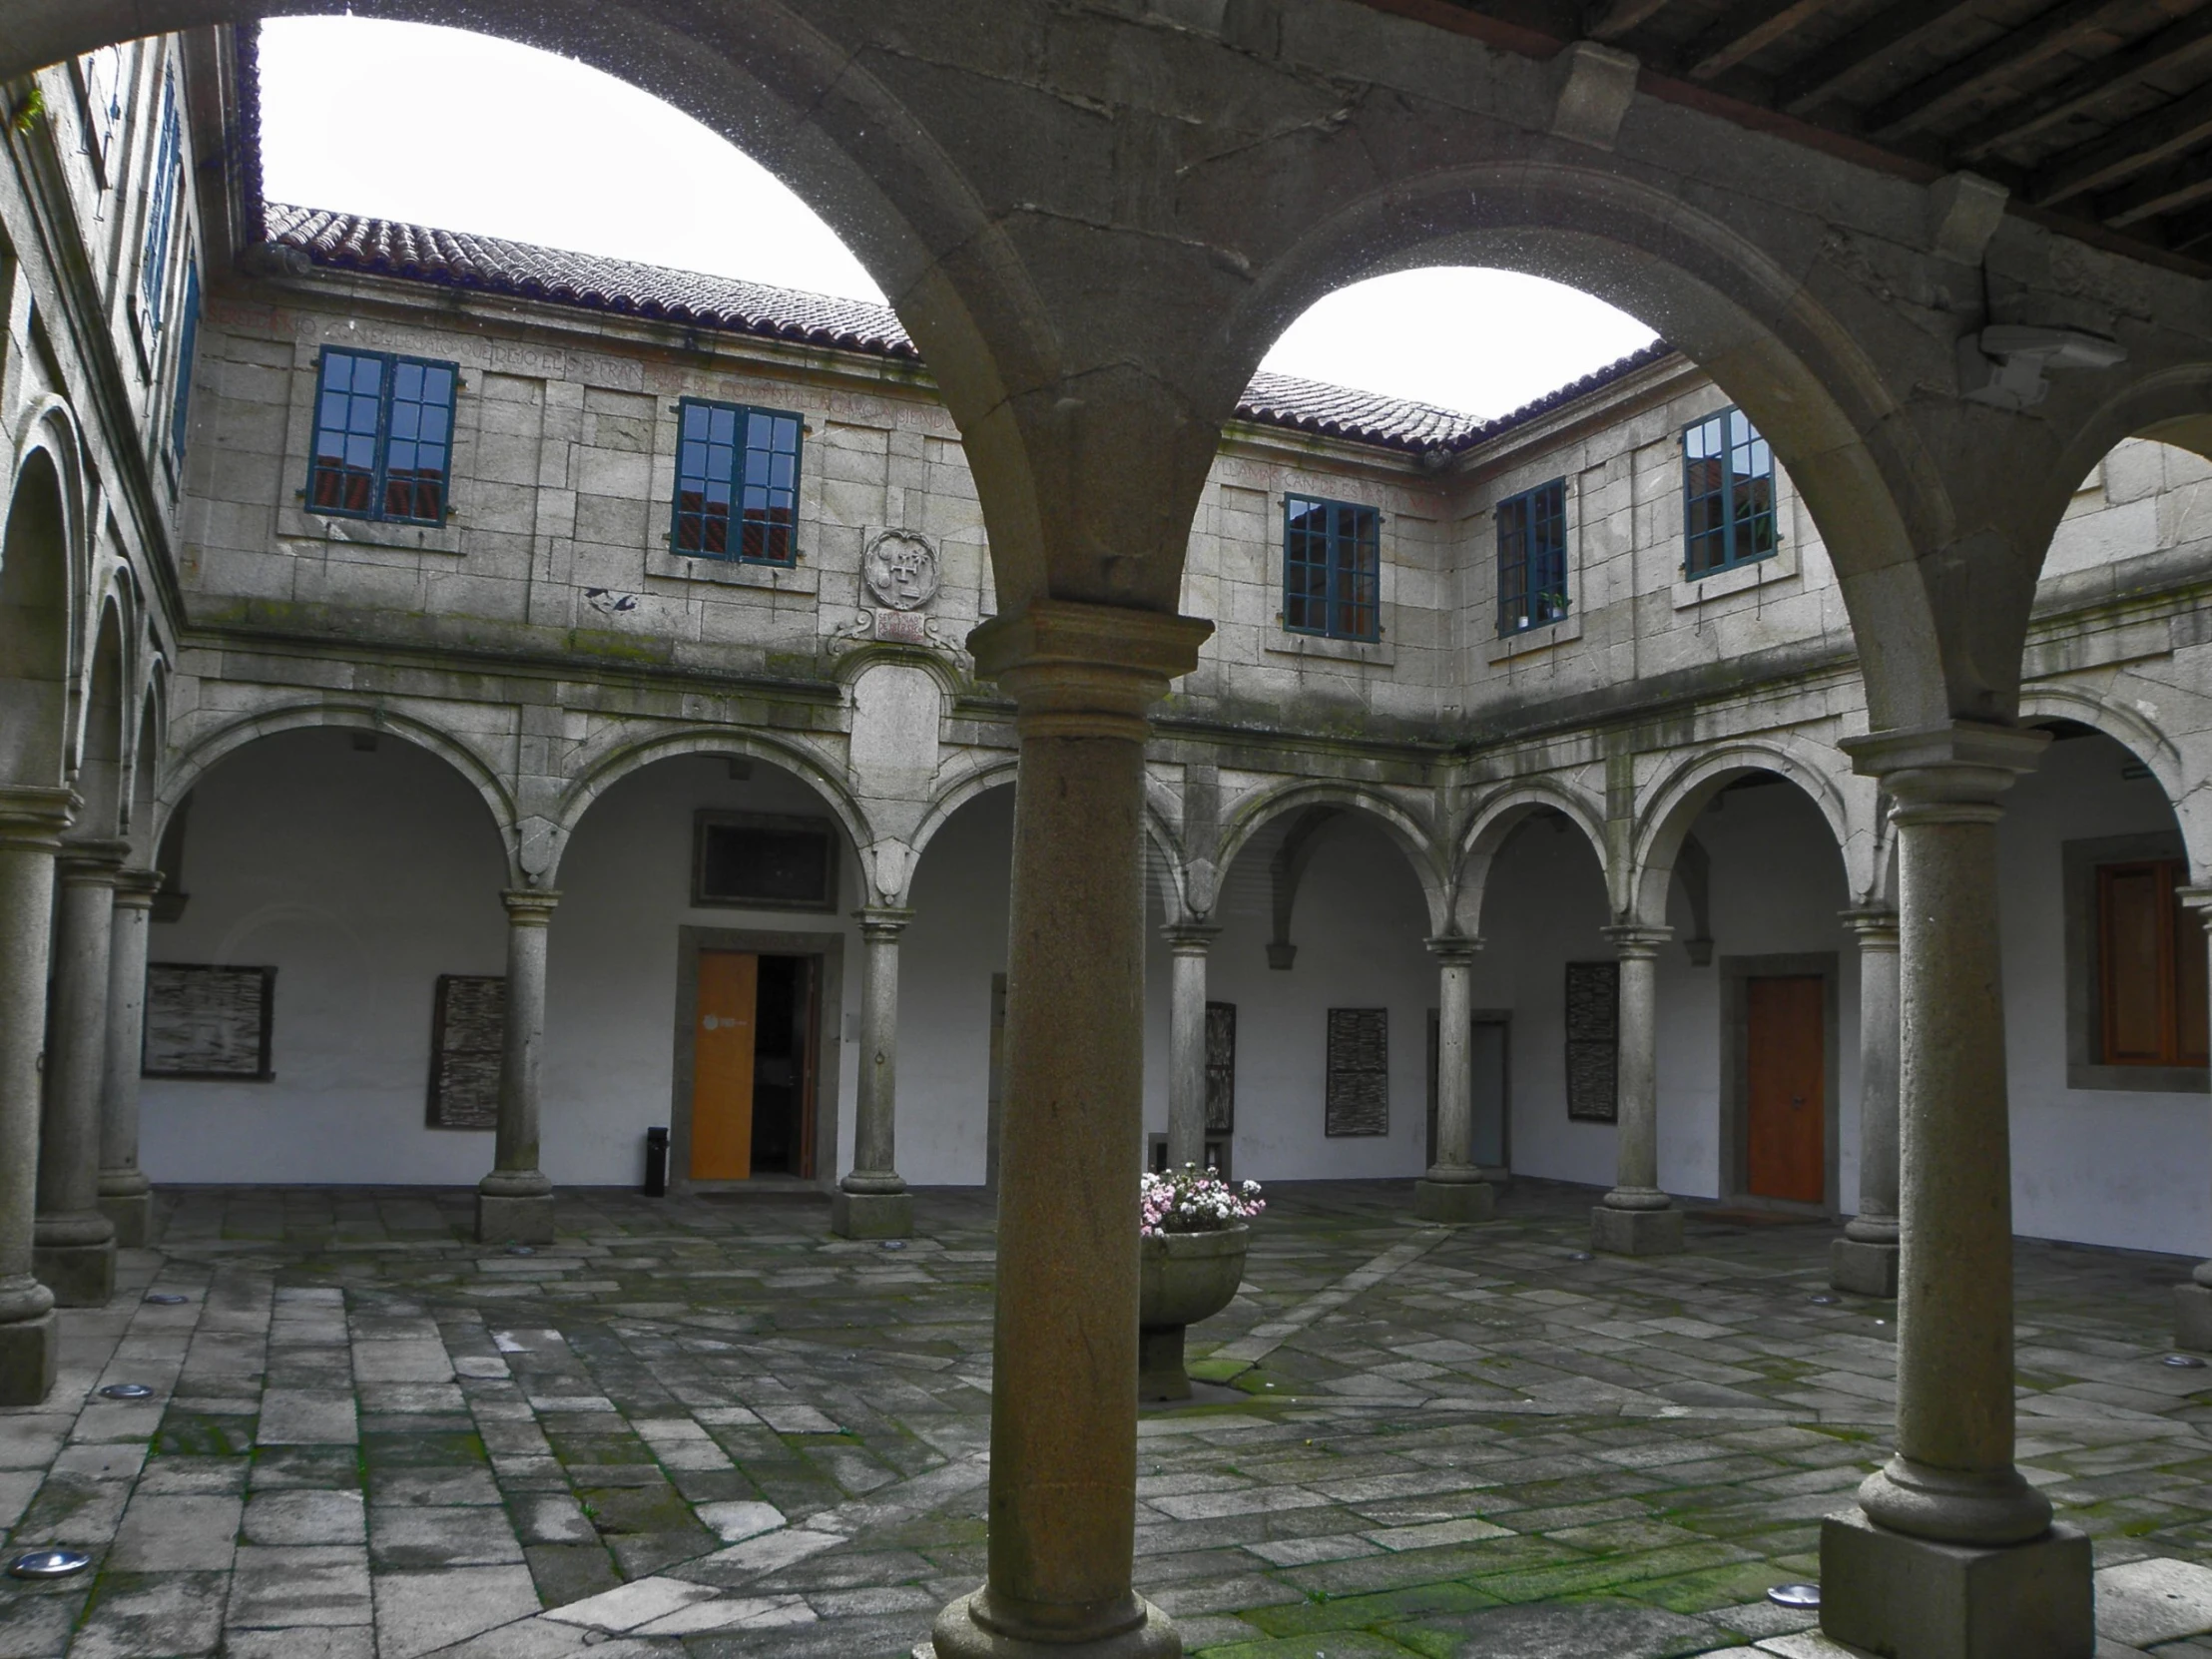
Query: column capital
(1947,773)
(2198,900)
(1086,671)
(882,921)
(93,862)
(31,820)
(1875,926)
(136,885)
(1453,949)
(1635,939)
(1190,938)
(530,907)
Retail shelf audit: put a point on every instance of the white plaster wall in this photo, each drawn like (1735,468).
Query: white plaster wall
(1359,926)
(956,943)
(360,877)
(2113,1167)
(613,955)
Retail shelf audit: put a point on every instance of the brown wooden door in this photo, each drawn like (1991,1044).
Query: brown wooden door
(722,1065)
(1785,1067)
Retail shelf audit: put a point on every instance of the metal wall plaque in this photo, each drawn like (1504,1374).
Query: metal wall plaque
(1221,1068)
(205,1021)
(1359,1100)
(1593,1041)
(467,1038)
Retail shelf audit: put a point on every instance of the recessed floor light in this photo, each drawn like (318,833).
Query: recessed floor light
(1824,1300)
(2183,1361)
(893,1244)
(49,1563)
(126,1390)
(520,1250)
(1794,1595)
(164,1299)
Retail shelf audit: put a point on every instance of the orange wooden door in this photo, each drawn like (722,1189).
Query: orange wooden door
(722,1065)
(1785,1067)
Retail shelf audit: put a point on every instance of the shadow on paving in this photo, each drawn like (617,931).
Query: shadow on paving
(701,1423)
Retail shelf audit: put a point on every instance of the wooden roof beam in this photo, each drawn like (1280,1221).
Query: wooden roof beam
(1611,19)
(1747,29)
(1883,36)
(2085,87)
(2134,148)
(2169,191)
(2063,26)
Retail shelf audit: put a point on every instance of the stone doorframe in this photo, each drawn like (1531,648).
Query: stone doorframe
(827,950)
(1735,1182)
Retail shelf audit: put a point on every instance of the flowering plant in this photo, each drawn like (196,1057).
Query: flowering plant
(1189,1200)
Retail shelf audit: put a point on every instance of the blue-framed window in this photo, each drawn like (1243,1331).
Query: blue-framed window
(187,341)
(1727,494)
(161,208)
(1533,557)
(384,436)
(737,483)
(1332,568)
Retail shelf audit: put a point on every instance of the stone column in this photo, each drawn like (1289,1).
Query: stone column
(126,1196)
(31,825)
(872,1202)
(1637,1218)
(1951,1553)
(1865,1259)
(514,1203)
(1071,1140)
(2193,1301)
(1453,1189)
(1188,944)
(75,1253)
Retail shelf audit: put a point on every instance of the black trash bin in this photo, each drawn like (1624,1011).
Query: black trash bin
(656,1163)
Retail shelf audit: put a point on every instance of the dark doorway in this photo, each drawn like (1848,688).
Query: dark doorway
(783,1067)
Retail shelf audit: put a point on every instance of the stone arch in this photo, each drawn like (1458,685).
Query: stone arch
(148,735)
(1493,822)
(2168,406)
(186,769)
(102,740)
(1796,368)
(2188,792)
(38,601)
(1680,794)
(542,839)
(1413,838)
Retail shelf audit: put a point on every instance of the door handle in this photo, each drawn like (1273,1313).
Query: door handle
(1797,1100)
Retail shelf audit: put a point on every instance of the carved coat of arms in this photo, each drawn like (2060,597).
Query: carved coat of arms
(900,569)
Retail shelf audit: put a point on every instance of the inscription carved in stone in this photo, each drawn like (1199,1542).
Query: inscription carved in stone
(1358,1101)
(1221,1068)
(203,1020)
(900,569)
(1593,1041)
(466,1039)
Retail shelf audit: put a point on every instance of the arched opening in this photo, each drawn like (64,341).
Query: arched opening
(703,973)
(102,748)
(952,995)
(34,628)
(318,965)
(1316,1060)
(2106,989)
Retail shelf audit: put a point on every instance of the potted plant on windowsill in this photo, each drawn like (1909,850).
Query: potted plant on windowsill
(1192,1245)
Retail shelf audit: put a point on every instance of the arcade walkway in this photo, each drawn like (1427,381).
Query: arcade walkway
(702,1425)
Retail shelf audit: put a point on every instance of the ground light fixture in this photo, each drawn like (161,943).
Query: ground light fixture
(49,1563)
(1824,1300)
(893,1244)
(1794,1595)
(164,1299)
(2182,1362)
(520,1250)
(126,1390)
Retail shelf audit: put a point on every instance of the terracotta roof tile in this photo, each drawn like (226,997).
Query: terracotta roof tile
(523,270)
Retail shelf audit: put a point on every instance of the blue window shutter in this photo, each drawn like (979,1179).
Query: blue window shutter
(187,342)
(161,211)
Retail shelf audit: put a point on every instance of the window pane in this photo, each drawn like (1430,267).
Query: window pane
(1512,564)
(1548,553)
(342,476)
(415,455)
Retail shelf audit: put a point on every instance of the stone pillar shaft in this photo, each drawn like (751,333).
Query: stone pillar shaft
(872,1202)
(1953,1478)
(1064,1390)
(1637,1218)
(1453,1189)
(2193,1301)
(75,1253)
(124,1189)
(514,1203)
(31,825)
(1188,944)
(1865,1259)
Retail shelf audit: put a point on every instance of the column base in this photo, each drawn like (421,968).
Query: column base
(28,1349)
(1912,1598)
(958,1635)
(131,1215)
(872,1215)
(78,1275)
(514,1219)
(1863,1269)
(2193,1317)
(1454,1201)
(1636,1232)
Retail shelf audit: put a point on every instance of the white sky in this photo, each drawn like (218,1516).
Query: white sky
(508,141)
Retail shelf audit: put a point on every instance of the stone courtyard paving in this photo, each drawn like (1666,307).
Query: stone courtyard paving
(702,1425)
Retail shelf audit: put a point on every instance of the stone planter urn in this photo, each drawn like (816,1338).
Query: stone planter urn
(1187,1277)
